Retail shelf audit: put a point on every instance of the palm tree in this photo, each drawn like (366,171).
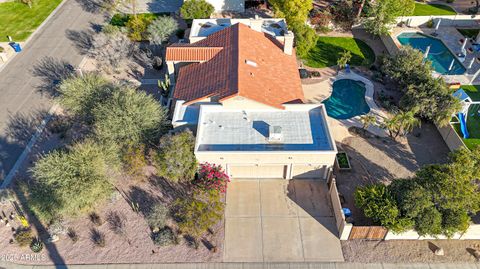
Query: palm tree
(408,121)
(392,126)
(367,120)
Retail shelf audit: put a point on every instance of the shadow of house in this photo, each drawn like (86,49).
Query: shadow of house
(51,71)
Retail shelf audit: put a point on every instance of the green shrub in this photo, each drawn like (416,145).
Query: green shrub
(2,49)
(161,29)
(129,118)
(157,216)
(196,9)
(196,214)
(430,24)
(137,27)
(119,20)
(454,221)
(175,159)
(164,237)
(70,182)
(378,203)
(305,36)
(134,161)
(79,95)
(429,222)
(23,237)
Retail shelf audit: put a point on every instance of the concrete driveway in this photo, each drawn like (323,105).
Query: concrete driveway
(279,221)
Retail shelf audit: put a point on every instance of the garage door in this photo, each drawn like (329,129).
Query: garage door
(313,171)
(261,171)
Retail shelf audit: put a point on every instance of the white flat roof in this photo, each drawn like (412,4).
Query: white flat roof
(303,128)
(206,27)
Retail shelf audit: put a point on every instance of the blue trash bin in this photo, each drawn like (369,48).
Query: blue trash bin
(16,47)
(347,212)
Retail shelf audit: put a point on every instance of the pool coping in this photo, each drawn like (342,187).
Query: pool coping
(445,45)
(374,109)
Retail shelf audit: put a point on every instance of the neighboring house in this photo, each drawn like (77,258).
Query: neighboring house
(228,5)
(238,87)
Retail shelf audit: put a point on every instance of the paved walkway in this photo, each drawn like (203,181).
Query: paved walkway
(279,221)
(306,265)
(21,81)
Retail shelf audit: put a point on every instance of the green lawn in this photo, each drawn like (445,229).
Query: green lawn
(473,91)
(19,21)
(432,9)
(473,126)
(471,33)
(328,50)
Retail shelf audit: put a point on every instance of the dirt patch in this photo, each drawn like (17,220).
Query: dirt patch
(375,159)
(409,251)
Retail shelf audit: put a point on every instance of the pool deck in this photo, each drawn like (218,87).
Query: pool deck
(451,38)
(316,93)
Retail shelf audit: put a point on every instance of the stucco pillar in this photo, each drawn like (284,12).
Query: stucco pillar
(288,43)
(171,72)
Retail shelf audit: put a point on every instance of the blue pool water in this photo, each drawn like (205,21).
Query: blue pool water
(347,100)
(439,54)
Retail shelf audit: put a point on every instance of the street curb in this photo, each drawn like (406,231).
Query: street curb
(25,43)
(39,130)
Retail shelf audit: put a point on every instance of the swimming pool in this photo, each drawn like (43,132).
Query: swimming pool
(347,100)
(439,54)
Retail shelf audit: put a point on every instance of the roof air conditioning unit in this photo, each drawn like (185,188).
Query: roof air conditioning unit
(275,134)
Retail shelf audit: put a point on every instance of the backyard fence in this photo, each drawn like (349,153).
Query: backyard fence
(451,138)
(468,21)
(368,232)
(343,227)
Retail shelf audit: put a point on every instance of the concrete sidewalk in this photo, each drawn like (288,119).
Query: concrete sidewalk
(306,265)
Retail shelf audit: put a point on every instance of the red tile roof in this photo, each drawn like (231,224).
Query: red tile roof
(250,64)
(191,54)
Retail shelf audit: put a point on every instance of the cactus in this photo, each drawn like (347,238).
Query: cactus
(36,245)
(164,86)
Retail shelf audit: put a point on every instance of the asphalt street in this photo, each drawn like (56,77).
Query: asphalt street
(26,80)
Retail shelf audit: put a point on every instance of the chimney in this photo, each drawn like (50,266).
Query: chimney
(275,134)
(256,23)
(288,43)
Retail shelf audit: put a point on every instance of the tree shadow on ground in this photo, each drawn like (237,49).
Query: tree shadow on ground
(169,191)
(22,126)
(94,6)
(51,71)
(51,248)
(363,172)
(81,39)
(142,198)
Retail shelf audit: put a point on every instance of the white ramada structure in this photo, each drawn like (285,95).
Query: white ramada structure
(236,85)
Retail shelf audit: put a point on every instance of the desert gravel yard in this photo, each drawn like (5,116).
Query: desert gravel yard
(408,251)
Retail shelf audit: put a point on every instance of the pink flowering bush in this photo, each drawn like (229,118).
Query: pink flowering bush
(212,177)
